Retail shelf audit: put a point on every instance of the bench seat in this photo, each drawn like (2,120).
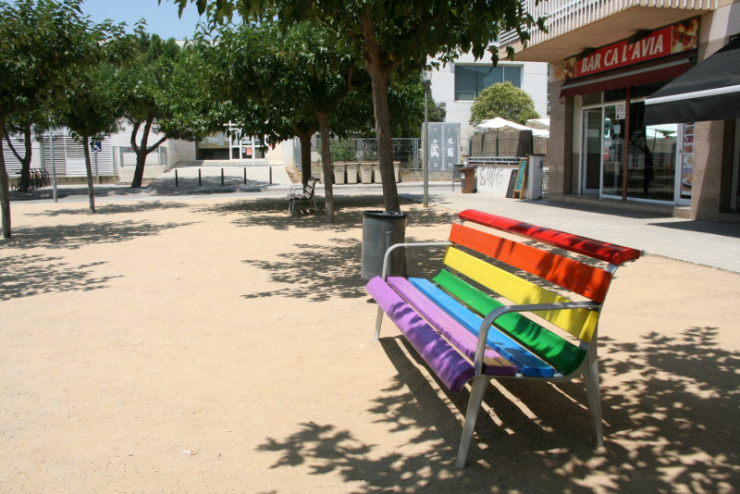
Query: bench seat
(505,309)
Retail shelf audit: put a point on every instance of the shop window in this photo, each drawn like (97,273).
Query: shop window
(470,80)
(592,99)
(651,167)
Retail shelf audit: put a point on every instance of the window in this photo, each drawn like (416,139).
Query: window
(470,80)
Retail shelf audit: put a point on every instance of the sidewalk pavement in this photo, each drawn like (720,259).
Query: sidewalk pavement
(699,242)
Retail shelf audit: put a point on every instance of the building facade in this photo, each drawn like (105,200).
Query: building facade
(607,58)
(457,85)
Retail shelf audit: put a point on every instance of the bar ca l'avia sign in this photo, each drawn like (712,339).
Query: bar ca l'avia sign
(669,40)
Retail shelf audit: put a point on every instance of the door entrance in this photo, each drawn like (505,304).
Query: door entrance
(592,151)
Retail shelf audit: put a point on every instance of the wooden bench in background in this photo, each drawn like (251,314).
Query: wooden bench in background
(505,309)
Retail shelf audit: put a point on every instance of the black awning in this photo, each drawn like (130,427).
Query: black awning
(708,91)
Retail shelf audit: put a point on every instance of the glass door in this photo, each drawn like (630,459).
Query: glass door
(612,179)
(592,151)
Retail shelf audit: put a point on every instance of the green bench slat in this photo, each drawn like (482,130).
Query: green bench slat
(553,349)
(525,361)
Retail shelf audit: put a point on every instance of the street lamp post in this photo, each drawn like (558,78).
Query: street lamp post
(426,80)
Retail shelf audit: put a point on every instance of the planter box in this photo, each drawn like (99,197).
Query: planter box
(339,169)
(376,172)
(397,170)
(366,173)
(352,173)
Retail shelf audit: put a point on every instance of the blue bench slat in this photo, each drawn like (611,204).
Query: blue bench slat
(527,363)
(451,367)
(461,338)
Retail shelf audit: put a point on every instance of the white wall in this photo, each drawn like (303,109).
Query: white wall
(534,83)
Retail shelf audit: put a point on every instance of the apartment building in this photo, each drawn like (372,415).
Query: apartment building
(613,138)
(457,84)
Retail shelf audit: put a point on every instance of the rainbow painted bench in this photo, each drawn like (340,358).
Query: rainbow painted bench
(505,306)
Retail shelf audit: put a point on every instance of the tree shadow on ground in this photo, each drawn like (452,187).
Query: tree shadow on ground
(319,272)
(76,236)
(117,208)
(273,212)
(28,275)
(672,426)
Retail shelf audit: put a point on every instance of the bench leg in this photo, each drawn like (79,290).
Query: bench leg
(591,376)
(378,323)
(480,384)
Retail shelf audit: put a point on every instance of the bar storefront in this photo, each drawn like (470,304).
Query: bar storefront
(614,154)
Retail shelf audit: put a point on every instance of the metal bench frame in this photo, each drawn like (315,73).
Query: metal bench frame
(423,327)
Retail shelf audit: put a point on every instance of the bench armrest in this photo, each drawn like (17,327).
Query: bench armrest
(496,313)
(386,258)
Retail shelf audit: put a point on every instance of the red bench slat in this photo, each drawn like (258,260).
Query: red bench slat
(586,280)
(611,253)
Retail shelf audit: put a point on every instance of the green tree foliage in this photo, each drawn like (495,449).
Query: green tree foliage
(281,83)
(158,95)
(92,109)
(388,37)
(503,100)
(39,41)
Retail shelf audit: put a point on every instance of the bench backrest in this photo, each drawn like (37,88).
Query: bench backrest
(577,276)
(308,190)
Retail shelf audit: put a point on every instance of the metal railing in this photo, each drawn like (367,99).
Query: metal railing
(564,16)
(405,150)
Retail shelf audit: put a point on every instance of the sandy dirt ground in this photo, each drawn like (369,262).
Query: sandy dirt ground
(217,345)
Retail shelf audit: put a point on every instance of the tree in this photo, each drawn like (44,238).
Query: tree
(286,82)
(152,97)
(390,36)
(39,40)
(24,124)
(92,110)
(503,100)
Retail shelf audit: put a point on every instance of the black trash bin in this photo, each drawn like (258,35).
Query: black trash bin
(380,230)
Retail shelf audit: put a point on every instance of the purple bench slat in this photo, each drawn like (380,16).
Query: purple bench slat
(451,367)
(494,364)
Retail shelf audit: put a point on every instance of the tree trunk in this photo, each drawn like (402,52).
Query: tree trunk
(379,74)
(326,165)
(139,170)
(25,181)
(142,149)
(4,186)
(305,138)
(88,168)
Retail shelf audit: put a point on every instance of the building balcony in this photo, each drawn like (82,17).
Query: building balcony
(577,25)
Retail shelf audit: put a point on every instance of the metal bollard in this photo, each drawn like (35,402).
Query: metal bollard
(270,175)
(222,176)
(200,182)
(177,184)
(245,176)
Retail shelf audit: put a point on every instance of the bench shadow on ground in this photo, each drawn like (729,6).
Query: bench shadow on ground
(670,427)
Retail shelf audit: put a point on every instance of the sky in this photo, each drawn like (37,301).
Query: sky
(160,19)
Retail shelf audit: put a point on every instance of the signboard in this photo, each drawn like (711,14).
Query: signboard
(443,145)
(687,165)
(512,182)
(669,40)
(520,179)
